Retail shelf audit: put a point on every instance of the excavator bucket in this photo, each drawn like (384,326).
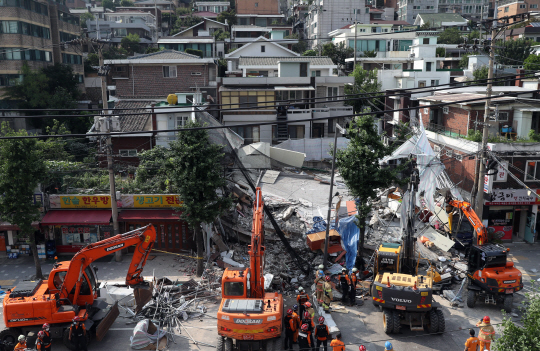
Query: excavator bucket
(142,297)
(107,321)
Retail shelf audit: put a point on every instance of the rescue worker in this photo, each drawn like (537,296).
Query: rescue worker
(304,338)
(297,321)
(302,298)
(319,282)
(388,346)
(486,334)
(344,282)
(327,298)
(46,341)
(77,334)
(472,343)
(352,291)
(337,344)
(308,320)
(310,309)
(322,333)
(21,345)
(290,328)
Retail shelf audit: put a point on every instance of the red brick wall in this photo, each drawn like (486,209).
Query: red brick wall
(149,81)
(127,143)
(460,172)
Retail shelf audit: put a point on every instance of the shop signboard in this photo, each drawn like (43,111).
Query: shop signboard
(149,201)
(80,201)
(104,201)
(501,197)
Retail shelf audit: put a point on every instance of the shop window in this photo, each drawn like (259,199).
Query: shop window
(531,171)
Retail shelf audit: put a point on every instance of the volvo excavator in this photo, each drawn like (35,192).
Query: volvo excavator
(404,296)
(72,289)
(490,275)
(249,318)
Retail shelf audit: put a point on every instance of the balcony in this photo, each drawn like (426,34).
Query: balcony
(446,131)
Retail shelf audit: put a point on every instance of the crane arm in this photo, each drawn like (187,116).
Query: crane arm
(143,237)
(479,229)
(256,249)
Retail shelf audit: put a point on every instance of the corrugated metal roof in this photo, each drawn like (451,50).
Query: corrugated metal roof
(273,61)
(135,122)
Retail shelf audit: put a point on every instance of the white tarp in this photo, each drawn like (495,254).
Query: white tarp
(141,339)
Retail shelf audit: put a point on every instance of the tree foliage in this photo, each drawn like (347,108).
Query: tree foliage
(513,52)
(464,61)
(532,63)
(181,11)
(127,3)
(450,36)
(187,21)
(21,168)
(359,166)
(131,43)
(197,174)
(338,53)
(87,16)
(369,53)
(299,47)
(194,52)
(229,16)
(474,34)
(152,49)
(221,35)
(108,4)
(152,175)
(440,51)
(309,52)
(525,334)
(365,81)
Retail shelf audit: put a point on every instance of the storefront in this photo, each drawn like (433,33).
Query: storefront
(12,241)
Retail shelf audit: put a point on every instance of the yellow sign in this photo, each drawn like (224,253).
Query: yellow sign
(104,201)
(424,293)
(155,201)
(84,201)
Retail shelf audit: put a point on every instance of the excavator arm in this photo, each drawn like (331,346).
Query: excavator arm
(143,237)
(479,229)
(256,249)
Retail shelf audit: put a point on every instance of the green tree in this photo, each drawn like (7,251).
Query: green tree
(525,333)
(310,52)
(450,36)
(359,166)
(181,11)
(365,81)
(152,174)
(197,174)
(229,16)
(131,43)
(221,35)
(402,132)
(464,61)
(32,91)
(426,25)
(440,52)
(194,52)
(475,34)
(126,3)
(152,49)
(21,168)
(62,76)
(532,63)
(338,53)
(513,52)
(369,53)
(87,16)
(299,47)
(108,4)
(187,21)
(115,53)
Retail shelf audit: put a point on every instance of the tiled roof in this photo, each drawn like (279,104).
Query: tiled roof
(202,14)
(165,55)
(436,18)
(273,61)
(346,27)
(135,122)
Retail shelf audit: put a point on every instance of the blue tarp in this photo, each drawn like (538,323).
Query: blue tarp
(319,225)
(350,234)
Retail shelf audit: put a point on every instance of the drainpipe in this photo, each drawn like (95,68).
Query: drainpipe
(468,122)
(133,78)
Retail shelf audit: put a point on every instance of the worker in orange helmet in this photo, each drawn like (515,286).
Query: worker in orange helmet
(77,334)
(337,344)
(487,333)
(290,328)
(310,309)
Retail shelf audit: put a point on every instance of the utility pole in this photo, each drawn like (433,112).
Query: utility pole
(479,206)
(114,207)
(355,30)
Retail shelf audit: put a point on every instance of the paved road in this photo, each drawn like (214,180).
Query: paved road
(361,325)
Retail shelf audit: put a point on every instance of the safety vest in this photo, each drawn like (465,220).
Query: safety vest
(310,324)
(288,323)
(487,333)
(353,279)
(46,340)
(337,345)
(322,332)
(344,279)
(20,346)
(77,330)
(302,298)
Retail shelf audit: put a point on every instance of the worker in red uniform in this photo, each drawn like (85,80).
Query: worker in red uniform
(297,320)
(21,345)
(337,344)
(77,334)
(304,338)
(302,298)
(290,328)
(344,282)
(353,278)
(46,340)
(472,343)
(322,333)
(311,327)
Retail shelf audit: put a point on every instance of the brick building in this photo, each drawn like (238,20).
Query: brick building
(161,73)
(512,8)
(31,31)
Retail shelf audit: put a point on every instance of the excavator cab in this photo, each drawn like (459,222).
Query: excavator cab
(487,256)
(388,258)
(235,283)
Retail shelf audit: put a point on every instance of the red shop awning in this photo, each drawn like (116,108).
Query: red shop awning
(77,217)
(129,215)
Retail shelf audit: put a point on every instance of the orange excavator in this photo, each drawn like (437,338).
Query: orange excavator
(249,318)
(491,276)
(73,290)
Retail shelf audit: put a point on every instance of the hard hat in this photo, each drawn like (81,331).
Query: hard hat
(289,311)
(354,271)
(361,348)
(388,345)
(41,334)
(21,337)
(343,269)
(307,315)
(76,319)
(321,266)
(304,327)
(295,307)
(321,319)
(486,319)
(300,289)
(321,272)
(46,326)
(327,278)
(307,304)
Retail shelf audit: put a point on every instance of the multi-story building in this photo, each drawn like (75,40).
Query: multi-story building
(117,25)
(471,10)
(408,10)
(441,21)
(531,32)
(32,32)
(512,8)
(265,15)
(289,81)
(216,6)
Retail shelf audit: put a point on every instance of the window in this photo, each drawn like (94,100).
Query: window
(316,73)
(530,171)
(533,6)
(425,41)
(181,121)
(128,153)
(169,71)
(434,82)
(256,4)
(251,134)
(502,117)
(303,69)
(428,66)
(422,84)
(445,110)
(248,101)
(333,93)
(297,132)
(522,6)
(263,48)
(233,289)
(507,8)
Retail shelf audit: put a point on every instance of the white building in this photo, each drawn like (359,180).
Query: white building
(408,10)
